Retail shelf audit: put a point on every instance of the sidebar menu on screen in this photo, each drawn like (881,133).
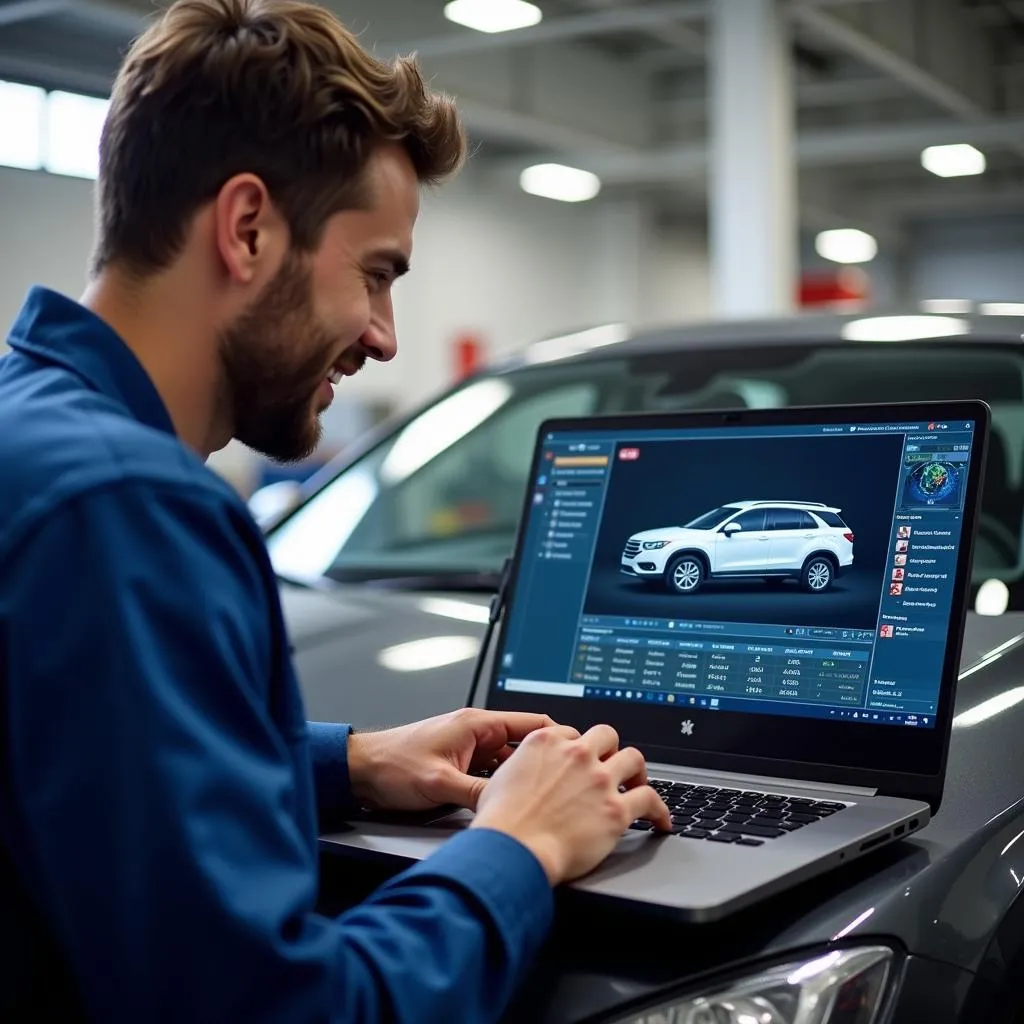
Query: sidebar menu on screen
(567,494)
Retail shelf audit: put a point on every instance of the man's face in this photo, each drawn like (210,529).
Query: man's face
(322,316)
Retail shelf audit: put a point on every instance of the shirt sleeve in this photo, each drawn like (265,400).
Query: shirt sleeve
(156,813)
(328,749)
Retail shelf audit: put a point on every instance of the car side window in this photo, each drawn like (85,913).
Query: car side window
(751,521)
(789,519)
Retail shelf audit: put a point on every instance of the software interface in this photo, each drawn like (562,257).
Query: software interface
(800,570)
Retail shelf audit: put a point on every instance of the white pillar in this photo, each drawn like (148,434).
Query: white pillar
(752,173)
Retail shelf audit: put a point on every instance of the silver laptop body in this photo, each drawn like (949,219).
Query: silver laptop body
(793,693)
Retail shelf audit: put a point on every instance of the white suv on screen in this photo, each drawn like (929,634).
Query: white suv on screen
(801,540)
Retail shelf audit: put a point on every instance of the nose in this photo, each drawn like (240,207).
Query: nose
(379,340)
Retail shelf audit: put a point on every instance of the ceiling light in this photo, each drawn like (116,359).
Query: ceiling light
(556,181)
(493,15)
(954,161)
(953,306)
(902,328)
(1002,308)
(846,245)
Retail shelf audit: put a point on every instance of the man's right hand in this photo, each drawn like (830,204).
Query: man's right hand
(559,795)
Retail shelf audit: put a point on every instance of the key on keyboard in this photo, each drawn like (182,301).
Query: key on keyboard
(740,816)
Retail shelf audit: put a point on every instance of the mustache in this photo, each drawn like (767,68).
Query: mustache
(352,365)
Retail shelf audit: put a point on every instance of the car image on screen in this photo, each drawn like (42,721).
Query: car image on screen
(800,540)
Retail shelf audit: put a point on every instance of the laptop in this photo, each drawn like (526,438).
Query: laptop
(770,605)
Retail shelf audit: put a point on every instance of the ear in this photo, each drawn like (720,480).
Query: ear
(251,234)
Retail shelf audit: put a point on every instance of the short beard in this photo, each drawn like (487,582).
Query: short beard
(269,387)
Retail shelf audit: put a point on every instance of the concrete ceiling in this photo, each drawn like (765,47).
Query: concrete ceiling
(619,87)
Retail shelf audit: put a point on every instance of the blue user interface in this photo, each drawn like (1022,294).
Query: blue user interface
(798,570)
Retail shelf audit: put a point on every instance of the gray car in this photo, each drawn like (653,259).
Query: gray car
(388,563)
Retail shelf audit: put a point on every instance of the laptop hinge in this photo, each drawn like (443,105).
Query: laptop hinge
(683,773)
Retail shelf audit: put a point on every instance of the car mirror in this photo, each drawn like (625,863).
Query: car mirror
(730,528)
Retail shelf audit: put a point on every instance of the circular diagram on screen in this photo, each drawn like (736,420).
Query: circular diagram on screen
(934,483)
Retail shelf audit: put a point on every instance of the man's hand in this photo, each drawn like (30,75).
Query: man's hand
(419,766)
(568,798)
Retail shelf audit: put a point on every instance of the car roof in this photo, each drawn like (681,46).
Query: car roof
(811,329)
(809,505)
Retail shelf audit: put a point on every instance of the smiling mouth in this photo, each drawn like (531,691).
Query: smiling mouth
(340,369)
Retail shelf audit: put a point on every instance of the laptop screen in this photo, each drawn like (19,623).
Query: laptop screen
(766,570)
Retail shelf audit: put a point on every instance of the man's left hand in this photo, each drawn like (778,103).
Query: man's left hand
(425,764)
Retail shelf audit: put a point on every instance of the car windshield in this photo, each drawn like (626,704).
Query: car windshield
(439,498)
(711,519)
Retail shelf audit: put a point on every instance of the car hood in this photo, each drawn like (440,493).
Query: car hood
(937,892)
(374,656)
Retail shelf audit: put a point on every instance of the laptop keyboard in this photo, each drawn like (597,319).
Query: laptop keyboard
(741,816)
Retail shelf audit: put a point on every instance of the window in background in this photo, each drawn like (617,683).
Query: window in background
(73,126)
(22,110)
(57,132)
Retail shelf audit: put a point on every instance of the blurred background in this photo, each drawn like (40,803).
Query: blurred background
(634,163)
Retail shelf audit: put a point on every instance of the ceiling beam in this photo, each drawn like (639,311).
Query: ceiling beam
(840,33)
(493,122)
(836,93)
(53,75)
(26,10)
(617,19)
(833,147)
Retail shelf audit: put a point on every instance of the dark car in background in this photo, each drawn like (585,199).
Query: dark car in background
(388,563)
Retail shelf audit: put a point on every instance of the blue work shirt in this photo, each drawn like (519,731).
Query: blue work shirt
(159,784)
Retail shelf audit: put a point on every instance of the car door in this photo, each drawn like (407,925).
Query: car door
(792,533)
(746,549)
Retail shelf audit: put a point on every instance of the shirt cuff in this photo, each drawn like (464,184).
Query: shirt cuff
(502,875)
(328,745)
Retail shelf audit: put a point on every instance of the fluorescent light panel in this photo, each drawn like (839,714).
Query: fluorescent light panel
(73,127)
(954,161)
(21,125)
(955,307)
(846,245)
(493,15)
(556,181)
(903,328)
(1002,308)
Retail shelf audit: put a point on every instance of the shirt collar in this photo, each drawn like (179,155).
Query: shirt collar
(61,331)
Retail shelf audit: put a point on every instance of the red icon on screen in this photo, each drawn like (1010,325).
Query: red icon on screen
(629,454)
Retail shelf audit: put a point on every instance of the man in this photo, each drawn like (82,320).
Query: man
(160,788)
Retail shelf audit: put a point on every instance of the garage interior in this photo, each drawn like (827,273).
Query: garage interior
(669,206)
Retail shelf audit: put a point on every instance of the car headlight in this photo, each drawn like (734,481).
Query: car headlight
(653,545)
(846,986)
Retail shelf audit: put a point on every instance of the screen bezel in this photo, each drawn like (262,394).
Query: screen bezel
(893,760)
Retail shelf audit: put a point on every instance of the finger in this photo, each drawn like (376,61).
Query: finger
(519,724)
(454,787)
(644,802)
(603,740)
(628,768)
(564,732)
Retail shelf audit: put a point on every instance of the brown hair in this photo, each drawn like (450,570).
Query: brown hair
(278,88)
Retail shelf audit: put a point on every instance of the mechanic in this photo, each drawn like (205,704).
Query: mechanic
(160,790)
